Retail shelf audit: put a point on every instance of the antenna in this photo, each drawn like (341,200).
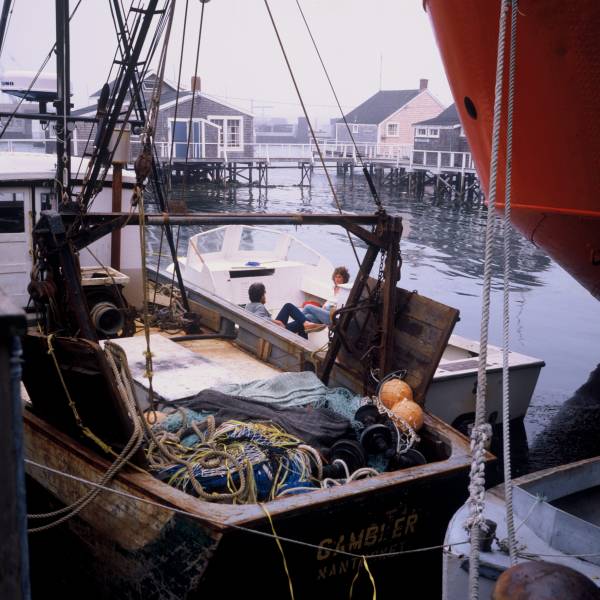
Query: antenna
(380,71)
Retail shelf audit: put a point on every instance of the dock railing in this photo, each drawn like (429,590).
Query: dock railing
(398,154)
(441,160)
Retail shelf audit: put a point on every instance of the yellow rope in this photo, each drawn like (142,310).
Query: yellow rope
(264,509)
(88,432)
(366,565)
(149,373)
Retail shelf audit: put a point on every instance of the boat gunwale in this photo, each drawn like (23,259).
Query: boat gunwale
(220,516)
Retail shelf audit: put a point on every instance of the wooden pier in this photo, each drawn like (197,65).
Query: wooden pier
(443,174)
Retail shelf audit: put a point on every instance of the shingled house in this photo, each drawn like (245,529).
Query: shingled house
(387,117)
(218,129)
(442,134)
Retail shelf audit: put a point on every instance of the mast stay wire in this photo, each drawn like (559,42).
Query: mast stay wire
(150,54)
(35,78)
(366,173)
(169,179)
(189,135)
(10,13)
(312,132)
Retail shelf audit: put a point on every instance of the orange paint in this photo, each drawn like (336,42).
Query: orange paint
(556,130)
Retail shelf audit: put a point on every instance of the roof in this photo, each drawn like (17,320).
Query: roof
(167,99)
(447,118)
(150,77)
(380,106)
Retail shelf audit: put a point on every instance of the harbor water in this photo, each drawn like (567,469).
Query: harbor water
(551,316)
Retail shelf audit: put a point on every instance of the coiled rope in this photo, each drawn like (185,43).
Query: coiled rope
(118,364)
(482,430)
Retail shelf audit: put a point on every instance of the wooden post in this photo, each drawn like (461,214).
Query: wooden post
(390,277)
(14,562)
(115,237)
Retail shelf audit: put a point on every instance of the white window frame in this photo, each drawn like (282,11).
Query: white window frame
(387,130)
(225,119)
(428,132)
(201,150)
(355,128)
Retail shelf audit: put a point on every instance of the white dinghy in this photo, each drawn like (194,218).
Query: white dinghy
(226,260)
(557,519)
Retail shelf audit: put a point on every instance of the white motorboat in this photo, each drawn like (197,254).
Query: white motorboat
(557,518)
(225,261)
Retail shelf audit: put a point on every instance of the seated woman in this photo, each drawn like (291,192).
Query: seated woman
(322,314)
(258,297)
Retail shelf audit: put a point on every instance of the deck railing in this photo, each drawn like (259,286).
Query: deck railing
(400,153)
(440,160)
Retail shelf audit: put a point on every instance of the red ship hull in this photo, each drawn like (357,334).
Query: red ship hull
(556,132)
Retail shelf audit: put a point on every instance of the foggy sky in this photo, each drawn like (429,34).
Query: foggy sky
(240,59)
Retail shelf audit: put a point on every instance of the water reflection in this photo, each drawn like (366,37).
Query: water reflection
(454,230)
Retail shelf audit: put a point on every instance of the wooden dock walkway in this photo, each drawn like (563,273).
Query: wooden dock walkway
(442,172)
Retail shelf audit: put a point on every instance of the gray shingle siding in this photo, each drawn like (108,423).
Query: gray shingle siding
(203,107)
(366,133)
(450,140)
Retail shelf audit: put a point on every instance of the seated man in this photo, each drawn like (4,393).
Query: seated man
(258,296)
(318,314)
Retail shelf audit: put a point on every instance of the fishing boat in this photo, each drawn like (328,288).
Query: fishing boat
(555,182)
(225,261)
(140,530)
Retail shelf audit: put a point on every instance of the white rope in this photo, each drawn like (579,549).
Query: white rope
(482,430)
(506,229)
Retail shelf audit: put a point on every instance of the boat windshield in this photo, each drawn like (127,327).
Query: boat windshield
(211,241)
(300,253)
(258,239)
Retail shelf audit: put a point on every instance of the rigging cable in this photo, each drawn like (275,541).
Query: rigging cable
(174,126)
(506,230)
(135,83)
(312,132)
(482,430)
(187,148)
(35,78)
(7,11)
(366,173)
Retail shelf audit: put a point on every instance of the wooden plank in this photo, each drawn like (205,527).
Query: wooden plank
(422,328)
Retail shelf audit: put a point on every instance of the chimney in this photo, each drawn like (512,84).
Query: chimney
(196,84)
(423,84)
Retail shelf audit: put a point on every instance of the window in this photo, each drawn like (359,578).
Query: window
(354,128)
(231,133)
(428,132)
(393,129)
(12,214)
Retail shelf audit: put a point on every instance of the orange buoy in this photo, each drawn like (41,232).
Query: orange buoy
(409,411)
(393,391)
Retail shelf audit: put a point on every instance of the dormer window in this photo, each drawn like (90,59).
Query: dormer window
(354,128)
